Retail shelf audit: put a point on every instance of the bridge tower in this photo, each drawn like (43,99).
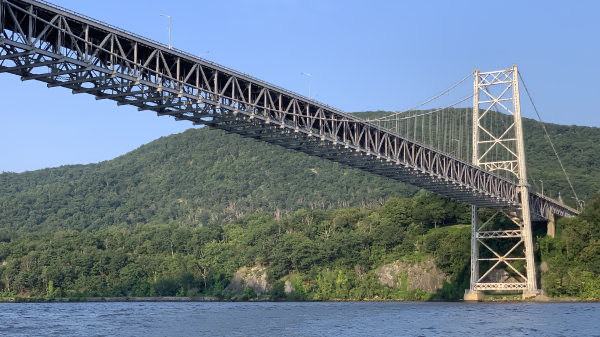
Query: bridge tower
(504,250)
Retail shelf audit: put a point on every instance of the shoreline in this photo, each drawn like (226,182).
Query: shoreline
(109,299)
(538,299)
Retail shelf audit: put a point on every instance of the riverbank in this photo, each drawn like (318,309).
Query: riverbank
(508,299)
(108,299)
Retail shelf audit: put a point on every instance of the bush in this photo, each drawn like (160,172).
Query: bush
(165,287)
(249,294)
(278,291)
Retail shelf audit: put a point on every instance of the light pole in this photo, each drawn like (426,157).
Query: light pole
(541,181)
(168,16)
(309,76)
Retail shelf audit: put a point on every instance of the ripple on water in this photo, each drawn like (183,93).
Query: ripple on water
(298,319)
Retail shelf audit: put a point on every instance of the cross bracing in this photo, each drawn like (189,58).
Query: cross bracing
(40,41)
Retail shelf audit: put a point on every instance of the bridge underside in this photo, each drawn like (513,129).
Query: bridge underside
(283,135)
(50,44)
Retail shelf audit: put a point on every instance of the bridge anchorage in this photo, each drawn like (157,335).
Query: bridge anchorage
(43,42)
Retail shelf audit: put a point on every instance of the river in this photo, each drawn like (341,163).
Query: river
(299,319)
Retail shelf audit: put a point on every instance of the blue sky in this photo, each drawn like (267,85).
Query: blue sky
(363,55)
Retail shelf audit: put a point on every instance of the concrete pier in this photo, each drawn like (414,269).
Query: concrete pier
(474,296)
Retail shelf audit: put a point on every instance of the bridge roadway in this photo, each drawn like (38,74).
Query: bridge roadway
(40,41)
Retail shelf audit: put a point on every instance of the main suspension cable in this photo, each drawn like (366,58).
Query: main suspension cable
(427,112)
(427,101)
(549,140)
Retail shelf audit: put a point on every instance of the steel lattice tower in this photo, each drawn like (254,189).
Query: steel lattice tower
(498,147)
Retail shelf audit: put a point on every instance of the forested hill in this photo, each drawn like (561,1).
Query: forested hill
(198,177)
(205,176)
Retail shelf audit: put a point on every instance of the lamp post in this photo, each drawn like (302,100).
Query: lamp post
(168,16)
(309,76)
(541,181)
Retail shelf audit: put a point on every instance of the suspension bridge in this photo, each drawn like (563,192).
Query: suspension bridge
(473,154)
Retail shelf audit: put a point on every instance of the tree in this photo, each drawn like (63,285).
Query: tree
(249,294)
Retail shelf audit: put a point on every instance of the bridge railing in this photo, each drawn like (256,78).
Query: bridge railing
(156,44)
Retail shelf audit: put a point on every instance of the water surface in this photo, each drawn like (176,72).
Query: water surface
(299,319)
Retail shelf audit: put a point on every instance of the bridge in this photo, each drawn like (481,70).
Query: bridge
(43,42)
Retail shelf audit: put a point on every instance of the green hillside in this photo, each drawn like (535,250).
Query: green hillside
(205,176)
(198,177)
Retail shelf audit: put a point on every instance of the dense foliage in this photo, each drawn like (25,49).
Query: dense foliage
(198,177)
(573,257)
(326,254)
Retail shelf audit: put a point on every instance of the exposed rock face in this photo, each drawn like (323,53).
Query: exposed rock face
(255,277)
(424,275)
(289,288)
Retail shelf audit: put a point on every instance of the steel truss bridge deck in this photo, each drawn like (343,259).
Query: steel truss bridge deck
(40,41)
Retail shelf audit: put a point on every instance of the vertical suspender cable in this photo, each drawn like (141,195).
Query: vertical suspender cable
(423,129)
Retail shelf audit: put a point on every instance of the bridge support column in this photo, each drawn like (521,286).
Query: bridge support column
(474,247)
(551,230)
(471,294)
(474,296)
(527,234)
(527,237)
